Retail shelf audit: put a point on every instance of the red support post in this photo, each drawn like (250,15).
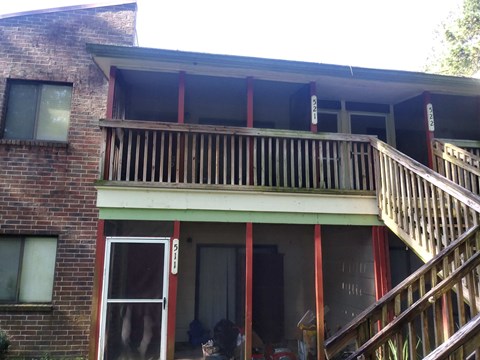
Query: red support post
(319,302)
(172,297)
(97,289)
(381,262)
(248,289)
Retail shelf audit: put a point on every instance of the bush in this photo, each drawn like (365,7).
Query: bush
(4,343)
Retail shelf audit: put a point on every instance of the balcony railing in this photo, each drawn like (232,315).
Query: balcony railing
(166,153)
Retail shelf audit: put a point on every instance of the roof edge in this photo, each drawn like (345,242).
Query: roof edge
(153,54)
(100,4)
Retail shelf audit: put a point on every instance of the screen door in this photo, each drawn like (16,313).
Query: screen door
(134,299)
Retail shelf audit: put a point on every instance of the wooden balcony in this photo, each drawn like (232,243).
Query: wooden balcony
(161,154)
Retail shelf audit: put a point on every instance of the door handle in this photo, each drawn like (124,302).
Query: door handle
(164,303)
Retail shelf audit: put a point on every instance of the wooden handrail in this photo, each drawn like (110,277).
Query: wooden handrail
(140,152)
(230,130)
(466,340)
(431,176)
(438,219)
(371,314)
(426,301)
(457,164)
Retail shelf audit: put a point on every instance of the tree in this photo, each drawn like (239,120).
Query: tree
(459,52)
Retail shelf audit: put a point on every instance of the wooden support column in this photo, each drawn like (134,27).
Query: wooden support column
(97,289)
(172,297)
(381,262)
(429,122)
(250,125)
(248,289)
(319,292)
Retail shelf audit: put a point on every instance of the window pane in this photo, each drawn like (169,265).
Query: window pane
(38,267)
(54,112)
(20,119)
(9,262)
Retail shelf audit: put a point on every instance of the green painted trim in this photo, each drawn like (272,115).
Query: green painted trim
(237,216)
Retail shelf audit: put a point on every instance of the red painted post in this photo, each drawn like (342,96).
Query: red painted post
(381,261)
(429,126)
(97,289)
(319,302)
(172,297)
(248,289)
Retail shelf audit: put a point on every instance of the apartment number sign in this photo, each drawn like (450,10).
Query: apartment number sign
(430,118)
(175,249)
(314,107)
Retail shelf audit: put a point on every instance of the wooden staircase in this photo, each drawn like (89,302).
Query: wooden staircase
(434,311)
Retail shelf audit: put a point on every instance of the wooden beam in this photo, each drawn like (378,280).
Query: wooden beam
(172,297)
(248,289)
(319,292)
(250,125)
(97,290)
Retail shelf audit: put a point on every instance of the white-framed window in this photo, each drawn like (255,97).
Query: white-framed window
(37,111)
(27,267)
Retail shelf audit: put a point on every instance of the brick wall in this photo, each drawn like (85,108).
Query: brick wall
(48,189)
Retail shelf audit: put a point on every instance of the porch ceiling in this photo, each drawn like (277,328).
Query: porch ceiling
(185,204)
(334,82)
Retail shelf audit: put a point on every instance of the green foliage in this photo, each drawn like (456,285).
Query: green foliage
(459,52)
(4,343)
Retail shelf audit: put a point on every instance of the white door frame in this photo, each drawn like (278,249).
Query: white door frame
(134,240)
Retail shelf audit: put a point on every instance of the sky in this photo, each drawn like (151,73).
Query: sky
(383,34)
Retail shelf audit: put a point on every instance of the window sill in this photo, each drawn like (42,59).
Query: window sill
(39,143)
(26,307)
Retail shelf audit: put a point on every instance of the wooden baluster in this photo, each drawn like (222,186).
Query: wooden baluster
(262,160)
(247,159)
(285,164)
(436,228)
(217,159)
(232,160)
(321,166)
(154,156)
(255,164)
(363,166)
(162,156)
(335,164)
(424,320)
(314,164)
(423,228)
(209,159)
(412,336)
(356,170)
(194,158)
(329,159)
(120,154)
(178,163)
(397,193)
(186,157)
(443,220)
(145,154)
(170,158)
(416,223)
(307,164)
(202,158)
(137,156)
(270,162)
(299,163)
(240,163)
(292,162)
(225,157)
(403,199)
(277,161)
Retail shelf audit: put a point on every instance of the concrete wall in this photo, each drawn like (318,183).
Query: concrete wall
(47,188)
(347,272)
